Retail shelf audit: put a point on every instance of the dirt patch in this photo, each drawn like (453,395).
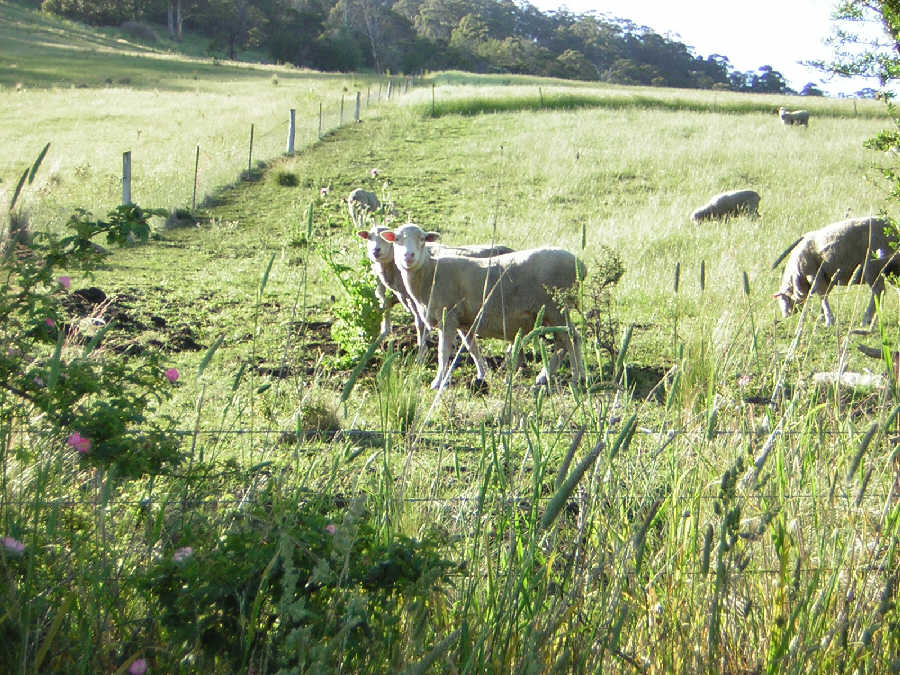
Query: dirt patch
(135,328)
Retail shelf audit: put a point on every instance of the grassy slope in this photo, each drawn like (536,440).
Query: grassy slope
(630,176)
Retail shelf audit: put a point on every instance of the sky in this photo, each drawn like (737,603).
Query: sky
(778,33)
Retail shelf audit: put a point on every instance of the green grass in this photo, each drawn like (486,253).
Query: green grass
(728,516)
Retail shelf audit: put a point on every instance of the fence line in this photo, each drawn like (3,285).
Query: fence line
(323,128)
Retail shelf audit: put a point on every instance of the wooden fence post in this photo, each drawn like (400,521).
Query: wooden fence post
(291,130)
(196,167)
(126,177)
(250,156)
(356,114)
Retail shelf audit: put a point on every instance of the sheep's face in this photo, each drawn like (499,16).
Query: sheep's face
(409,245)
(786,304)
(378,249)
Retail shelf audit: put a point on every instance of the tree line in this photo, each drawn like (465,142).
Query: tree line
(410,36)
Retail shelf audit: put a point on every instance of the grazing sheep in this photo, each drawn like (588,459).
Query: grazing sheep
(793,117)
(387,276)
(361,201)
(852,251)
(727,204)
(497,297)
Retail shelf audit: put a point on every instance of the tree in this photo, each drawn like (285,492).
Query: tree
(874,52)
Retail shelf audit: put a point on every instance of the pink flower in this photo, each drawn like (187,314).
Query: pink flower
(50,322)
(172,374)
(65,282)
(323,191)
(330,528)
(138,667)
(374,173)
(12,546)
(743,381)
(182,554)
(79,443)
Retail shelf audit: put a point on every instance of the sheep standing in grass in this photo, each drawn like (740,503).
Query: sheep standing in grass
(360,202)
(497,297)
(387,277)
(855,251)
(793,117)
(728,204)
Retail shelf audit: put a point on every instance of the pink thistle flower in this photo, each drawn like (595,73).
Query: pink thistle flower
(12,546)
(172,374)
(182,554)
(50,322)
(374,173)
(65,282)
(138,667)
(323,191)
(79,443)
(331,528)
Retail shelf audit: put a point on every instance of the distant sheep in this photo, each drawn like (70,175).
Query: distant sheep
(728,204)
(852,251)
(793,117)
(498,297)
(361,201)
(381,255)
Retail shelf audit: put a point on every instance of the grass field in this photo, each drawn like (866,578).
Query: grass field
(701,507)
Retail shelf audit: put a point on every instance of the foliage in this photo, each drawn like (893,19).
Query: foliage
(404,36)
(357,313)
(52,373)
(308,588)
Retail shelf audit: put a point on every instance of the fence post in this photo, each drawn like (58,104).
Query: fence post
(390,88)
(250,156)
(291,129)
(126,177)
(320,121)
(356,115)
(702,275)
(196,167)
(432,99)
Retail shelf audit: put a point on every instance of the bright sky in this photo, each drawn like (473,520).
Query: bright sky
(778,33)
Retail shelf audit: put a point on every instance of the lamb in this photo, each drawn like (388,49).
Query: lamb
(793,117)
(727,204)
(497,297)
(854,251)
(381,255)
(360,202)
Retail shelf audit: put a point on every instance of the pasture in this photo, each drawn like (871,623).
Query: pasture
(701,506)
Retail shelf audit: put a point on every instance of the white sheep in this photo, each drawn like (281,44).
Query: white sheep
(497,297)
(855,251)
(728,203)
(387,277)
(793,117)
(360,202)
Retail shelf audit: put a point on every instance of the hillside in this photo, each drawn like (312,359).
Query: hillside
(281,492)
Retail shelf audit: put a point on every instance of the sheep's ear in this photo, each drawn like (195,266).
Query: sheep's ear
(432,236)
(388,235)
(363,233)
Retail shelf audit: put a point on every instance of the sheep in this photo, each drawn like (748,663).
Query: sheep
(728,203)
(381,255)
(854,251)
(497,297)
(361,201)
(793,117)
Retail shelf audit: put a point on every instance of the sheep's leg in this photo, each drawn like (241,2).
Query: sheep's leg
(877,289)
(472,345)
(421,337)
(826,310)
(445,347)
